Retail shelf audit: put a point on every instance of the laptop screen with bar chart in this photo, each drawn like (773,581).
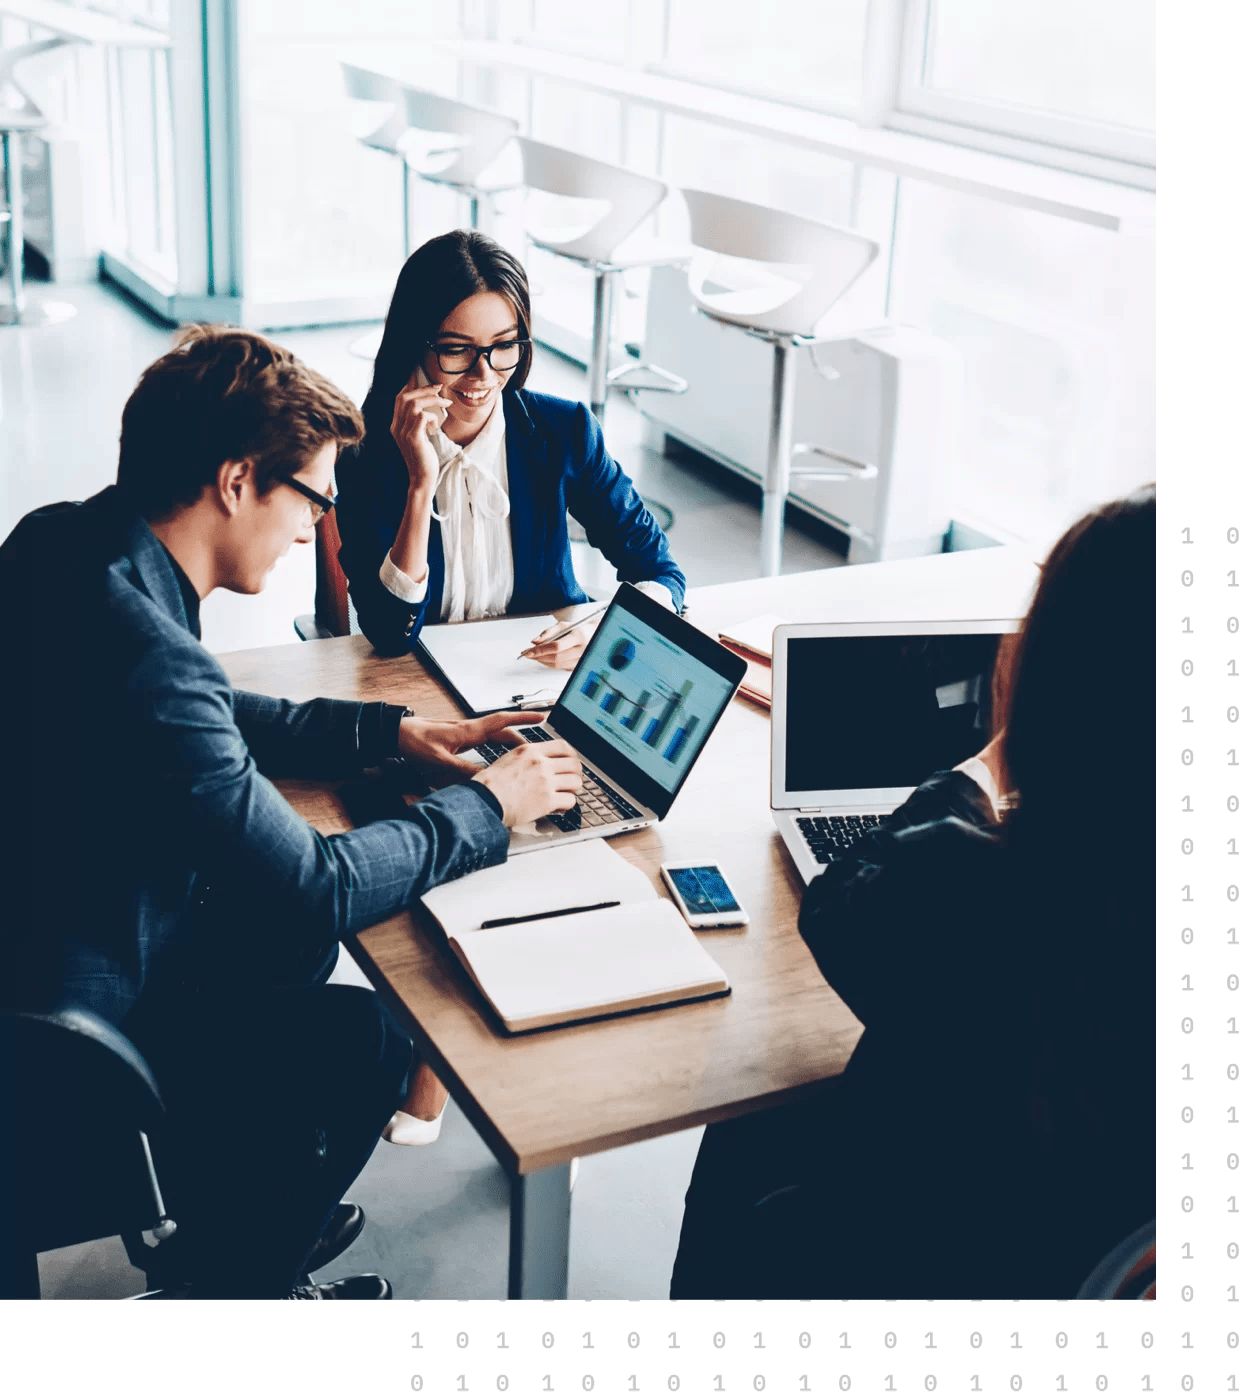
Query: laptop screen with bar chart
(645,696)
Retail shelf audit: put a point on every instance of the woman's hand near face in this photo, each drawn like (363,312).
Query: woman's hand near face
(416,415)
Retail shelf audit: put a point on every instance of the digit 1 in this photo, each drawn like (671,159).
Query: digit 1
(844,1340)
(1101,1340)
(1015,1343)
(718,1383)
(930,1341)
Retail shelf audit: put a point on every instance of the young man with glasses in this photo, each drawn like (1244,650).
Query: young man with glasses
(156,876)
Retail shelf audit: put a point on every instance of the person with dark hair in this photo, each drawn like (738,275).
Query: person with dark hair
(155,876)
(993,1134)
(454,507)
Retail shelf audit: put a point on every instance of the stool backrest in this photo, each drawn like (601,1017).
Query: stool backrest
(384,126)
(10,58)
(480,134)
(786,271)
(626,197)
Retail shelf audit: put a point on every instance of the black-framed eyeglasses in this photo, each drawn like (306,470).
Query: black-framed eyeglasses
(462,358)
(319,504)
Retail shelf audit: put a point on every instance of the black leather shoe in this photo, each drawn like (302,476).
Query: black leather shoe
(355,1287)
(341,1231)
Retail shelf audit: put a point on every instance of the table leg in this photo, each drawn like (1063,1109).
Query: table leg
(539,1234)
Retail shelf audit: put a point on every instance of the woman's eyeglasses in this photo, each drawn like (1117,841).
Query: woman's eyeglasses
(319,504)
(462,358)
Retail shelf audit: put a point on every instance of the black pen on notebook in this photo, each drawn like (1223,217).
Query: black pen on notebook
(562,634)
(544,915)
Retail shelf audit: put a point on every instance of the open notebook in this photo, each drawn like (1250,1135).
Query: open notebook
(536,973)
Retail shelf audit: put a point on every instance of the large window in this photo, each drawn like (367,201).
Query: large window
(808,52)
(1067,73)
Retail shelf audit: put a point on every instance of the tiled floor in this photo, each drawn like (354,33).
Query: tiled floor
(439,1215)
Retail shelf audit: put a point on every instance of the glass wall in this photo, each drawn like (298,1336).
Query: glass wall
(322,212)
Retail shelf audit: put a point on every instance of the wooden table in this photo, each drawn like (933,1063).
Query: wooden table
(542,1099)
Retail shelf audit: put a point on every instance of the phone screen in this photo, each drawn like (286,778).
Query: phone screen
(703,890)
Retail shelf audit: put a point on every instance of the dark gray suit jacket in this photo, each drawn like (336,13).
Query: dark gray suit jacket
(146,841)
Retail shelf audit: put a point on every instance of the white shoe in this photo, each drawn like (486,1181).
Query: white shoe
(409,1129)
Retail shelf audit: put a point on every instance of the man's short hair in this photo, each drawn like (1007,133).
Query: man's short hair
(225,394)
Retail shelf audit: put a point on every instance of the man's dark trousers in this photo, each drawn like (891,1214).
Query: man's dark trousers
(275,1099)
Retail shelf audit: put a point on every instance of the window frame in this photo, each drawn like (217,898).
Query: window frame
(1122,153)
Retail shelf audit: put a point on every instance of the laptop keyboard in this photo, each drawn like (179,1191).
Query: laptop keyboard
(596,803)
(829,835)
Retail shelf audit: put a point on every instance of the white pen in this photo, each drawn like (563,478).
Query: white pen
(574,625)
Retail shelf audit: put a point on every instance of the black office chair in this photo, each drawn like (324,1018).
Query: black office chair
(1127,1271)
(78,1102)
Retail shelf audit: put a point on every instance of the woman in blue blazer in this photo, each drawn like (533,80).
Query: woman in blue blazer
(454,507)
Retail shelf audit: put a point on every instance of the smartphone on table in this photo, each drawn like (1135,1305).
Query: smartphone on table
(703,895)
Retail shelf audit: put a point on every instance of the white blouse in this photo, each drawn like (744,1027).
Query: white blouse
(471,506)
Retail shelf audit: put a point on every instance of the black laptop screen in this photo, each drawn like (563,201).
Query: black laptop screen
(883,711)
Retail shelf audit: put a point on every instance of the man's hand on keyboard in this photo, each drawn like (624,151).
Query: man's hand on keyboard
(534,780)
(437,744)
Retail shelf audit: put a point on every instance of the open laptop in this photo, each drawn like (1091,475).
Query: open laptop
(862,712)
(638,708)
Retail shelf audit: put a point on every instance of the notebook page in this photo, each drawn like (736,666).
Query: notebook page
(600,961)
(573,874)
(481,661)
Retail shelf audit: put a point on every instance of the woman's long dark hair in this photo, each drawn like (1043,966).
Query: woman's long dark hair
(435,280)
(1080,688)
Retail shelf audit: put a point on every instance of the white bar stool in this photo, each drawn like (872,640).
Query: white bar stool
(776,275)
(453,143)
(378,122)
(14,121)
(616,202)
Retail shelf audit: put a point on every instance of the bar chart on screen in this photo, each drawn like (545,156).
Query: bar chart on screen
(648,698)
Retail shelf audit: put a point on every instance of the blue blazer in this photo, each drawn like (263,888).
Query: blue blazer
(146,843)
(556,461)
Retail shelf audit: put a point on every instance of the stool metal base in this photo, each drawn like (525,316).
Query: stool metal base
(36,313)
